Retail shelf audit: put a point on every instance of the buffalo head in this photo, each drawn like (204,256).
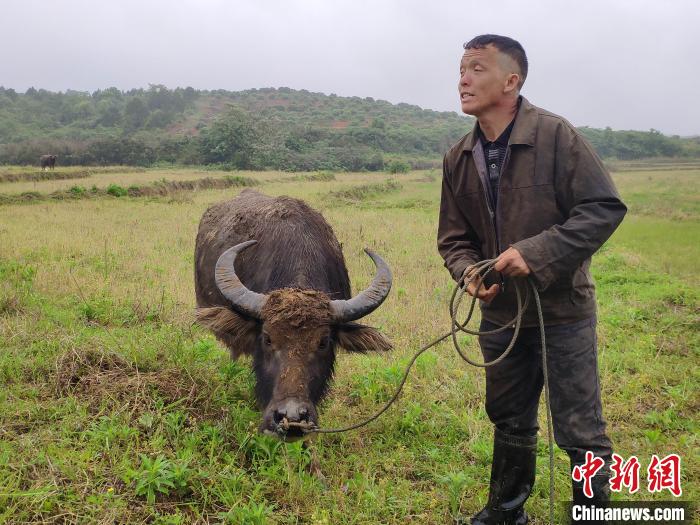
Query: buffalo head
(292,335)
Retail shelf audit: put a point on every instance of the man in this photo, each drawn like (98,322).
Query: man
(526,188)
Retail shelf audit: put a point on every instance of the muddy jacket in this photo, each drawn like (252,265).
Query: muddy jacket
(556,205)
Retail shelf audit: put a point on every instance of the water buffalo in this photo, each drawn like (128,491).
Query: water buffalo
(287,302)
(47,161)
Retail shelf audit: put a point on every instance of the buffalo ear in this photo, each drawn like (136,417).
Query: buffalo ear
(355,337)
(238,333)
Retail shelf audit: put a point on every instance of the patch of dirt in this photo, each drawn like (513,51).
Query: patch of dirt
(10,304)
(99,377)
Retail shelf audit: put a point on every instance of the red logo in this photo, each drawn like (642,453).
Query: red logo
(625,474)
(665,474)
(661,474)
(586,471)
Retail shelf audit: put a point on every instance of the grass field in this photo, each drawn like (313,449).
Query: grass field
(115,408)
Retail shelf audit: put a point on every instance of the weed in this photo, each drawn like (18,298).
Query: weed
(455,483)
(108,431)
(653,436)
(154,476)
(146,420)
(263,448)
(409,422)
(250,513)
(174,423)
(230,487)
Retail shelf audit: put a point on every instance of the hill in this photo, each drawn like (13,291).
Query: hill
(259,128)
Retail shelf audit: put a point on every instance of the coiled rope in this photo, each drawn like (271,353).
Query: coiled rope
(524,288)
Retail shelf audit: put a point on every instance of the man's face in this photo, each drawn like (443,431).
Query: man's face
(484,80)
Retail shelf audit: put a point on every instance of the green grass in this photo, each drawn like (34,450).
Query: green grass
(115,408)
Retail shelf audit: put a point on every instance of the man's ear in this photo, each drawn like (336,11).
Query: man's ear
(512,82)
(355,337)
(238,333)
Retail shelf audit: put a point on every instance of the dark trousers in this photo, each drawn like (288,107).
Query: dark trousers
(513,386)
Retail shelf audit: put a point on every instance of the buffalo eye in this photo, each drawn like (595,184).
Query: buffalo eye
(266,339)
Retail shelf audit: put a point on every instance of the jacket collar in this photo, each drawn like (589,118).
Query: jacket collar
(524,128)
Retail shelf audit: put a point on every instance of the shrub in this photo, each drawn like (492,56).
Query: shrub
(398,166)
(117,191)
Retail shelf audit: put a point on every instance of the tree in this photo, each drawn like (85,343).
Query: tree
(159,119)
(234,138)
(109,112)
(135,114)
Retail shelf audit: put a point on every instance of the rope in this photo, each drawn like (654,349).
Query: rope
(478,270)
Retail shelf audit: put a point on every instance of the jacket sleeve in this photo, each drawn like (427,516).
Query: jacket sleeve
(586,194)
(457,242)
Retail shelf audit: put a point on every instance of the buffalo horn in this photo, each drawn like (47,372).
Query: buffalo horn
(243,300)
(367,301)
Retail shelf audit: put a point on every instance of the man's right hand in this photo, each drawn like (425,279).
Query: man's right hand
(480,292)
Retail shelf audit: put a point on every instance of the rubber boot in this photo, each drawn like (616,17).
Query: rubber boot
(600,486)
(512,479)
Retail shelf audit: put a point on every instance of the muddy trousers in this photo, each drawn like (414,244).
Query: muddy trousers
(513,389)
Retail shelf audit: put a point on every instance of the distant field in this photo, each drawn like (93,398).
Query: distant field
(107,389)
(97,178)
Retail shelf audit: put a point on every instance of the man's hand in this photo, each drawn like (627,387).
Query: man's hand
(475,290)
(512,264)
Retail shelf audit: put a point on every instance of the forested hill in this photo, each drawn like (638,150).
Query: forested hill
(258,128)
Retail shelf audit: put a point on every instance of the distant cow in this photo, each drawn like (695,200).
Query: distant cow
(287,303)
(47,161)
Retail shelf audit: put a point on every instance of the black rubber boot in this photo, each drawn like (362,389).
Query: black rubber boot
(600,486)
(512,479)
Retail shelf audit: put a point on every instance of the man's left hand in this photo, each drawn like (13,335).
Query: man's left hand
(511,263)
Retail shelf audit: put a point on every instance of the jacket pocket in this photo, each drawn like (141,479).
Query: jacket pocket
(583,289)
(469,203)
(526,211)
(466,193)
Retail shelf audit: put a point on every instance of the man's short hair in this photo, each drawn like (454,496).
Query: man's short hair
(505,45)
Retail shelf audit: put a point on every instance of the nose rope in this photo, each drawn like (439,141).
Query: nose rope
(479,270)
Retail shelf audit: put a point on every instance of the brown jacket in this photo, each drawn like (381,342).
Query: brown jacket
(556,205)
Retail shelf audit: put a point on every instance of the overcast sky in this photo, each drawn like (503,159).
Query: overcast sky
(625,64)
